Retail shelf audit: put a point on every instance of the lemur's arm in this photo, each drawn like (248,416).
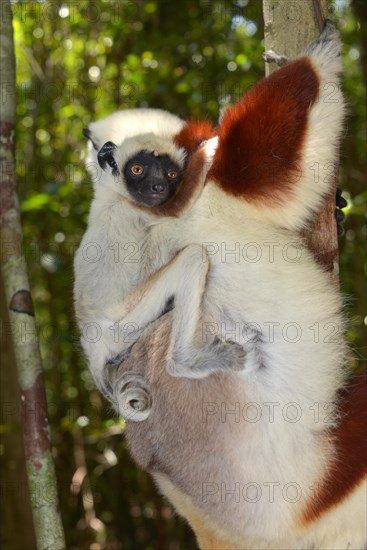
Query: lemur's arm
(280,60)
(269,56)
(277,145)
(184,280)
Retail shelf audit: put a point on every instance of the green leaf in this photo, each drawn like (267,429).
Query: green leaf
(36,202)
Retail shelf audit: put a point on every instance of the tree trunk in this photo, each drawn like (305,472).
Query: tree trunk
(289,29)
(14,497)
(40,469)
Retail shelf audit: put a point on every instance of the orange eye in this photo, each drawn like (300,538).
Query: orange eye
(137,169)
(172,174)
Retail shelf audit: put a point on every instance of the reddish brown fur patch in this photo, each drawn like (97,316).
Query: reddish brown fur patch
(190,187)
(190,138)
(261,137)
(350,438)
(193,134)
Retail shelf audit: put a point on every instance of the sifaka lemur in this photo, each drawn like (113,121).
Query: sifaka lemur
(253,432)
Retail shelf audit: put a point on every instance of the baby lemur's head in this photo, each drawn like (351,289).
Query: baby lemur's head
(151,158)
(147,169)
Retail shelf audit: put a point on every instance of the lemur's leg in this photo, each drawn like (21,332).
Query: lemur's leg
(184,280)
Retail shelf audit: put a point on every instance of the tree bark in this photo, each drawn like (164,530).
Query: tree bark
(40,468)
(14,502)
(290,26)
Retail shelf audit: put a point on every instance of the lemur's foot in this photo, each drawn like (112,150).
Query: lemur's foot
(339,214)
(218,356)
(238,354)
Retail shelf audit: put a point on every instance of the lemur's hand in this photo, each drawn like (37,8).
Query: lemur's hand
(339,214)
(272,57)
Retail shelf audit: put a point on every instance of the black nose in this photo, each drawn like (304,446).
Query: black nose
(158,188)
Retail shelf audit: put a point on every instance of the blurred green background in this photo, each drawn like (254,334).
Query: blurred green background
(78,61)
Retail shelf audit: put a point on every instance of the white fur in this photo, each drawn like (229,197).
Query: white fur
(132,127)
(133,122)
(341,528)
(290,295)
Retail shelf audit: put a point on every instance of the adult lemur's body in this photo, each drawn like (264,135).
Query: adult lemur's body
(259,457)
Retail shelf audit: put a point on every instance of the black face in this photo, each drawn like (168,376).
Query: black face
(150,179)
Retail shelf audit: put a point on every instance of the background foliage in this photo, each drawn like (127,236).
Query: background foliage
(78,61)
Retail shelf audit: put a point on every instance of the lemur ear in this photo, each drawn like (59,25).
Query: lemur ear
(106,157)
(261,137)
